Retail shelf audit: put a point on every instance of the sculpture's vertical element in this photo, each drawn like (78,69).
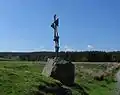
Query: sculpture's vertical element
(54,25)
(57,68)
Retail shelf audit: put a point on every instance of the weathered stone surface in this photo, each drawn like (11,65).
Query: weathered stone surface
(61,70)
(48,67)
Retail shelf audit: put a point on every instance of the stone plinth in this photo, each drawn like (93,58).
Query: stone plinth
(61,70)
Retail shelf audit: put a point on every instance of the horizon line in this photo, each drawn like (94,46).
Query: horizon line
(63,51)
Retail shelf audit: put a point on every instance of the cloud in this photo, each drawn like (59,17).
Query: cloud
(42,47)
(67,48)
(46,50)
(90,47)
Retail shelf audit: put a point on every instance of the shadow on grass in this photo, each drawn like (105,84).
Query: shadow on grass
(54,88)
(59,89)
(80,88)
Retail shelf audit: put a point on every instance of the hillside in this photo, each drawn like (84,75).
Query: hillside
(24,78)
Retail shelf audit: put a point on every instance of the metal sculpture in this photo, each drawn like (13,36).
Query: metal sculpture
(55,25)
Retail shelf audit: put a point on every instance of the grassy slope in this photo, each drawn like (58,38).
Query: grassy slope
(94,87)
(20,78)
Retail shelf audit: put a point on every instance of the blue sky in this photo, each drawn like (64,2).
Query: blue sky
(84,24)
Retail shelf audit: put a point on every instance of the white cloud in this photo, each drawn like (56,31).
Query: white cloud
(42,48)
(67,48)
(46,50)
(90,47)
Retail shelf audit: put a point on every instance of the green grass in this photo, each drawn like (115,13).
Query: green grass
(105,87)
(22,78)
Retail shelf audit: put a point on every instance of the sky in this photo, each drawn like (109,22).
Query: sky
(25,25)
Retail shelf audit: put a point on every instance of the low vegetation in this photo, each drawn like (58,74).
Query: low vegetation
(24,78)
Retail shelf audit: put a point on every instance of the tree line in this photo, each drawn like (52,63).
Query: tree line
(83,56)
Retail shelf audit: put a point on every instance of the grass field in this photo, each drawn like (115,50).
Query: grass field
(24,78)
